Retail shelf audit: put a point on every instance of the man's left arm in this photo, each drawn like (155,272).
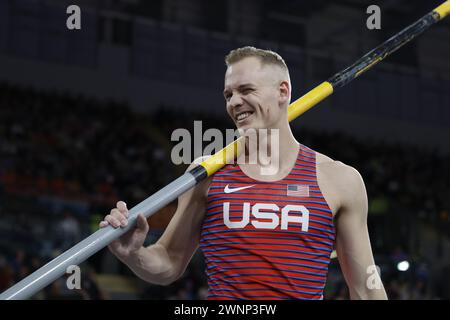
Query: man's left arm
(352,240)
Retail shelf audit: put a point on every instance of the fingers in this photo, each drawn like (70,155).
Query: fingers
(142,223)
(103,224)
(122,206)
(117,217)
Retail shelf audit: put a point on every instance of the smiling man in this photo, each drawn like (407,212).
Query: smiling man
(264,236)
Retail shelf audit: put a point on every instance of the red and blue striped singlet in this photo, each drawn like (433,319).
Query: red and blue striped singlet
(267,240)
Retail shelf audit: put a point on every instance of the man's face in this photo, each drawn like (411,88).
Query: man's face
(252,94)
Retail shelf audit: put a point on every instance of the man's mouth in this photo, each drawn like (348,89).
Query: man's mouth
(243,115)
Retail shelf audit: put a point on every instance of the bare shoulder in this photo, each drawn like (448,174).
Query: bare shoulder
(339,182)
(336,169)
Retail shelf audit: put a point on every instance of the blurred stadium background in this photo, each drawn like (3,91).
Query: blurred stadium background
(86,118)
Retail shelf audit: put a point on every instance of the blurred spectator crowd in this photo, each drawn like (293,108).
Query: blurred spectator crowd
(65,161)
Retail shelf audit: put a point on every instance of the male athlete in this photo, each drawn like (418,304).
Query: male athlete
(263,236)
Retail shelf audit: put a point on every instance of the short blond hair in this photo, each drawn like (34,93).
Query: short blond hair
(266,57)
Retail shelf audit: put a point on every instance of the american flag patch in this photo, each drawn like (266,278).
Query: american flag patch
(297,190)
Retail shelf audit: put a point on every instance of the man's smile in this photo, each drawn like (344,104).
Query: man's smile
(242,116)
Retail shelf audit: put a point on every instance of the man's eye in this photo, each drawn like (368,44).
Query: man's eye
(247,90)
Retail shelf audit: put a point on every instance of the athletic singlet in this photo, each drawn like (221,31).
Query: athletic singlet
(267,240)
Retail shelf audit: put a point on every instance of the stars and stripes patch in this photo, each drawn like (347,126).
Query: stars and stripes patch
(297,190)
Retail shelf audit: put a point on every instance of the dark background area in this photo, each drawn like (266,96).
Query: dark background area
(86,118)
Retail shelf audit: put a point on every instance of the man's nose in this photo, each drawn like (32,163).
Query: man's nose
(235,100)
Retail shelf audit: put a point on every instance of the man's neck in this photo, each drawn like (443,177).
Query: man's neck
(272,153)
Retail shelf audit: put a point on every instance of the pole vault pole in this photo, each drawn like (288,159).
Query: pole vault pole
(101,238)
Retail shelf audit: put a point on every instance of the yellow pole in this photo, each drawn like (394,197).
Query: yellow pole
(443,10)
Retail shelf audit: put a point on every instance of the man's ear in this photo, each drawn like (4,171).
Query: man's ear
(285,92)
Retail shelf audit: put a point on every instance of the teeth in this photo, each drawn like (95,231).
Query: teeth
(242,115)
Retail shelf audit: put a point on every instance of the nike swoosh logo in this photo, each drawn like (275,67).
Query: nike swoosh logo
(231,190)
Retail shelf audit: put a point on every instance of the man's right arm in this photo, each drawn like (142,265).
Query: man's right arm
(165,261)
